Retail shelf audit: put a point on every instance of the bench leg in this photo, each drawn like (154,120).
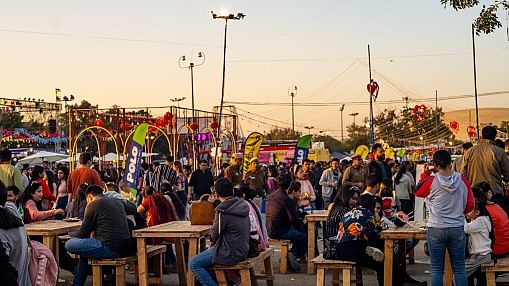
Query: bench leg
(490,278)
(252,275)
(269,272)
(346,277)
(221,278)
(283,259)
(120,275)
(335,277)
(158,268)
(245,277)
(358,276)
(97,275)
(320,277)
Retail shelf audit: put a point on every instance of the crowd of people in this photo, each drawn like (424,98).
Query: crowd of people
(466,203)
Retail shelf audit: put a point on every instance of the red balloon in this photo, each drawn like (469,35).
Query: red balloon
(194,126)
(455,126)
(99,122)
(471,130)
(213,124)
(168,116)
(160,122)
(373,87)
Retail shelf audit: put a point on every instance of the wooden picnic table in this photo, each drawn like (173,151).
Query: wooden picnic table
(312,219)
(50,230)
(178,230)
(413,229)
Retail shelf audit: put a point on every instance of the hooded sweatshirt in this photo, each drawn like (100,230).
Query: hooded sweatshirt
(230,231)
(447,199)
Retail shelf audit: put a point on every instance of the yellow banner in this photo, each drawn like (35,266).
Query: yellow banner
(251,148)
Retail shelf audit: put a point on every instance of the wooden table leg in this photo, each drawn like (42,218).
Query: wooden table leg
(193,250)
(203,244)
(181,261)
(311,246)
(49,241)
(142,262)
(447,270)
(402,257)
(389,253)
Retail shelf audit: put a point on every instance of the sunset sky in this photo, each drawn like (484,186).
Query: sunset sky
(126,53)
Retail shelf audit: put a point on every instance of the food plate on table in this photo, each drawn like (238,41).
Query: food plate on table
(71,219)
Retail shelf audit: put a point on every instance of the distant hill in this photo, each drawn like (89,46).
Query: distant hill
(466,117)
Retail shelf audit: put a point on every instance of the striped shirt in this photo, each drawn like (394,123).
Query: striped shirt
(163,174)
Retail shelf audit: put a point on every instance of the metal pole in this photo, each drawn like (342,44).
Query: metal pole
(342,137)
(437,117)
(222,86)
(475,84)
(372,129)
(293,115)
(191,65)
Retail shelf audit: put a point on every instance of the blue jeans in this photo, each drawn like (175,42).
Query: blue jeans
(88,248)
(452,239)
(299,241)
(201,266)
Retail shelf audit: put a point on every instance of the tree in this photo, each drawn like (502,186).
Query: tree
(282,134)
(331,143)
(487,21)
(357,135)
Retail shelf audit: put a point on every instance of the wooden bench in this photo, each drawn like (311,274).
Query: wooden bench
(336,265)
(156,251)
(496,265)
(246,269)
(283,258)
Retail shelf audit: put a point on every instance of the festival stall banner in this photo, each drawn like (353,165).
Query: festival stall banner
(251,148)
(134,154)
(302,149)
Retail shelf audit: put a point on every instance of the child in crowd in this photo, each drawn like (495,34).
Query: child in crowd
(479,242)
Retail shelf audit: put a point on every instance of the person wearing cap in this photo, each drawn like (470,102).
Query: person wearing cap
(256,181)
(354,174)
(234,172)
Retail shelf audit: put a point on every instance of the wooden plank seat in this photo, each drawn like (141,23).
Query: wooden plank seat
(284,245)
(496,265)
(246,269)
(156,251)
(322,264)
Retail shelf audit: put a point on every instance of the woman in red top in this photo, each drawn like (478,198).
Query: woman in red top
(48,198)
(30,199)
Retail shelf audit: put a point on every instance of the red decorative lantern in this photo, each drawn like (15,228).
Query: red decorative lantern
(471,131)
(168,116)
(373,89)
(194,126)
(454,125)
(99,122)
(214,124)
(419,112)
(125,126)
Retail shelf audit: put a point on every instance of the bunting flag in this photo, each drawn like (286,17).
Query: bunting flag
(134,154)
(302,149)
(251,148)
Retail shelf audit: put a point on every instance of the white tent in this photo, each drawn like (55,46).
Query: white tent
(40,156)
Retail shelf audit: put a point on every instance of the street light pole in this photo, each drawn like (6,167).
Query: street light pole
(309,129)
(341,110)
(354,114)
(475,85)
(237,16)
(292,91)
(177,100)
(190,66)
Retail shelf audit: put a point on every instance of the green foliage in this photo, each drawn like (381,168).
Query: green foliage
(11,120)
(331,143)
(282,134)
(487,21)
(357,135)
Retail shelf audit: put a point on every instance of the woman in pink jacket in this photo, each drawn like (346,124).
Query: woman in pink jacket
(31,201)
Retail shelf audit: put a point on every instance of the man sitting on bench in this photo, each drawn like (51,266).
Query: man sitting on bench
(229,235)
(106,219)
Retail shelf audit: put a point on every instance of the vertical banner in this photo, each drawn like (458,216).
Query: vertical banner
(134,153)
(302,149)
(251,148)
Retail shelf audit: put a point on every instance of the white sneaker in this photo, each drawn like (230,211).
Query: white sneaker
(375,253)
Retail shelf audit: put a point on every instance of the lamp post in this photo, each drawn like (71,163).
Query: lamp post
(475,84)
(292,91)
(309,129)
(341,110)
(177,100)
(183,63)
(226,17)
(354,114)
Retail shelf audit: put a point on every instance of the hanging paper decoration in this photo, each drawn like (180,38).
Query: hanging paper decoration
(194,126)
(471,131)
(160,122)
(373,89)
(419,112)
(168,116)
(99,122)
(213,124)
(124,126)
(455,126)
